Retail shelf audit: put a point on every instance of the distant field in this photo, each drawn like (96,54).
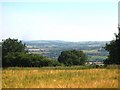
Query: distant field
(91,51)
(98,57)
(43,78)
(95,57)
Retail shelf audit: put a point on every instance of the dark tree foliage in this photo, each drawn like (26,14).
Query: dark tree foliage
(72,57)
(15,55)
(12,45)
(21,59)
(114,50)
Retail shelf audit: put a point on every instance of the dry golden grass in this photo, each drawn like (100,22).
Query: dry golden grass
(87,78)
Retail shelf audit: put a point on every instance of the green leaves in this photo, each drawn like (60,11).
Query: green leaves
(15,55)
(114,50)
(12,45)
(72,57)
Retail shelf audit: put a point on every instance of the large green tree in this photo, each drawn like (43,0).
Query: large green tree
(72,57)
(114,50)
(9,47)
(12,45)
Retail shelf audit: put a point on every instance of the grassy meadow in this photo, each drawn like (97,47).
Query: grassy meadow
(56,78)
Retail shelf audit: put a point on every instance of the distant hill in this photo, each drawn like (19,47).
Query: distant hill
(53,48)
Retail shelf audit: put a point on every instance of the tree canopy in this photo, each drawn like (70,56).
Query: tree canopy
(12,45)
(72,57)
(114,50)
(14,54)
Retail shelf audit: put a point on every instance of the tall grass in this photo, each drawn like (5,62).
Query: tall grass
(39,78)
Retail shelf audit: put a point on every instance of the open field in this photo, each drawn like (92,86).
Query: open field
(41,78)
(98,57)
(91,51)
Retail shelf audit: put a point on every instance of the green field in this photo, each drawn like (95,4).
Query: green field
(57,78)
(98,57)
(95,57)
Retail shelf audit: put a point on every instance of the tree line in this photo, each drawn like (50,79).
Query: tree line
(15,54)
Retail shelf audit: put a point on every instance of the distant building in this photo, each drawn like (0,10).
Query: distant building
(34,50)
(94,63)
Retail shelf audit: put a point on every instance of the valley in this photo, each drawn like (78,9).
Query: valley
(52,49)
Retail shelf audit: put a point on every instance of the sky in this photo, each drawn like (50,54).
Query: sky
(69,21)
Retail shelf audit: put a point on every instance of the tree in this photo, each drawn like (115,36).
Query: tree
(9,47)
(114,50)
(14,55)
(12,45)
(72,57)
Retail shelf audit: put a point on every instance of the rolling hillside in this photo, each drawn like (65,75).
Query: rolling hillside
(52,49)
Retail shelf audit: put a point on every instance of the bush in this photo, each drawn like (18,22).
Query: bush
(72,57)
(27,60)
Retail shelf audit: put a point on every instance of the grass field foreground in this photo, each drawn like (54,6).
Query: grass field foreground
(38,78)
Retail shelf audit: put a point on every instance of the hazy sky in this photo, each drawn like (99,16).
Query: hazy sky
(68,21)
